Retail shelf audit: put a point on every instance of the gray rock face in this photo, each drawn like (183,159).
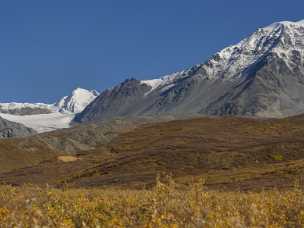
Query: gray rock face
(263,75)
(10,129)
(123,100)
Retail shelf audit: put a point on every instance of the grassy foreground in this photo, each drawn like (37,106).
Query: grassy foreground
(164,206)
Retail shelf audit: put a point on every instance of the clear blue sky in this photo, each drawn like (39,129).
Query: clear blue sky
(49,47)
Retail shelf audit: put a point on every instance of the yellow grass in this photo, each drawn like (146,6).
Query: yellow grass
(164,206)
(67,158)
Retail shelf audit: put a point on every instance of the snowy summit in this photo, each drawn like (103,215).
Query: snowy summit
(77,101)
(281,38)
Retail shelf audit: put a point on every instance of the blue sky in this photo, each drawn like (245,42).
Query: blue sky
(47,48)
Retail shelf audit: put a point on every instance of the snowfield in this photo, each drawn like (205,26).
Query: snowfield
(42,122)
(62,112)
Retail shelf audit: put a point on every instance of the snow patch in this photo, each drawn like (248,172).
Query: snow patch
(42,122)
(163,81)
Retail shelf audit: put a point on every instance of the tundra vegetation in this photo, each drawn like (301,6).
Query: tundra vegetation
(165,205)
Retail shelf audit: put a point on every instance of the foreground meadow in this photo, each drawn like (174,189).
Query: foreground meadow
(164,206)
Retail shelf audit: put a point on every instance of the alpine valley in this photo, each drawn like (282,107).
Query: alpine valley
(261,76)
(236,119)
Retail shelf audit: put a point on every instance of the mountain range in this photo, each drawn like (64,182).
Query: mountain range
(127,135)
(261,76)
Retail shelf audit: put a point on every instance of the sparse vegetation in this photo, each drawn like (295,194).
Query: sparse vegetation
(232,154)
(243,162)
(165,206)
(278,157)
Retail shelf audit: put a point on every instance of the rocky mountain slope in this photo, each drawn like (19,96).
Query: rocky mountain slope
(10,129)
(263,75)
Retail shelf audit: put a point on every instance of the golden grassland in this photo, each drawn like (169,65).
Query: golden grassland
(166,205)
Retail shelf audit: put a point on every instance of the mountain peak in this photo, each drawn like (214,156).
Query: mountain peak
(280,38)
(285,23)
(77,101)
(301,21)
(78,89)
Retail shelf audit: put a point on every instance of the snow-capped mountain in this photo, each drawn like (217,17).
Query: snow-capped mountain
(77,101)
(262,75)
(48,117)
(281,38)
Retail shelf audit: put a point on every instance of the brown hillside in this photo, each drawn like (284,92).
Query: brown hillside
(232,153)
(25,152)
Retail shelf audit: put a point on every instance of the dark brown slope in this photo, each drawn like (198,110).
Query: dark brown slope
(26,152)
(223,149)
(86,137)
(23,152)
(230,153)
